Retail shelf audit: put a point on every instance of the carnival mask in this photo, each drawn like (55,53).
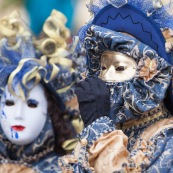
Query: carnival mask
(22,121)
(117,67)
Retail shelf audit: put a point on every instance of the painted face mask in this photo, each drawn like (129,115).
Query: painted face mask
(22,121)
(136,77)
(117,67)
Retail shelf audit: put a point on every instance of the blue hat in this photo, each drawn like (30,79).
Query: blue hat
(131,17)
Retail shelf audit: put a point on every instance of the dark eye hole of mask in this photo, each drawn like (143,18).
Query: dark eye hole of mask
(32,103)
(103,68)
(120,68)
(9,103)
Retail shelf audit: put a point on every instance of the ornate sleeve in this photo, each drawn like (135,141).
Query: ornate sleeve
(79,159)
(98,145)
(102,148)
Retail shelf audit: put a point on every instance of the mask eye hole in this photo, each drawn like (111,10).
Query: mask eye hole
(9,103)
(120,68)
(103,68)
(32,103)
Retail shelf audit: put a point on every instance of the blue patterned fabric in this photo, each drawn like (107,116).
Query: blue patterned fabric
(155,153)
(161,161)
(90,134)
(148,119)
(160,146)
(95,130)
(159,153)
(139,96)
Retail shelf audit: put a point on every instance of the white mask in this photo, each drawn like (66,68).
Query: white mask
(22,121)
(117,67)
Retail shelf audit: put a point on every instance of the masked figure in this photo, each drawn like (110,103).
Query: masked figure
(35,127)
(126,49)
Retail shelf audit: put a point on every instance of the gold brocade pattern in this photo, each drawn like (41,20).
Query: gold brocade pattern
(154,114)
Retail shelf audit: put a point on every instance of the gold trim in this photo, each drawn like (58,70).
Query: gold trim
(70,144)
(133,123)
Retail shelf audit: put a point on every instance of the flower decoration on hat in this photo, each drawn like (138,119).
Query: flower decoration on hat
(148,69)
(168,34)
(54,42)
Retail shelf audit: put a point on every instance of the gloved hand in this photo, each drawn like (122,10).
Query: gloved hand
(93,98)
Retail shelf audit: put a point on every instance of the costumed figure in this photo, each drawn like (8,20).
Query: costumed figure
(132,130)
(35,125)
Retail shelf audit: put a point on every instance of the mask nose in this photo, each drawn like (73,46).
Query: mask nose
(18,115)
(111,73)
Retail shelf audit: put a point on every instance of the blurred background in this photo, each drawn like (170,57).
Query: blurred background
(34,12)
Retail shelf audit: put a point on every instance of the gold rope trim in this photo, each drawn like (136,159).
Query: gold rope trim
(134,123)
(70,144)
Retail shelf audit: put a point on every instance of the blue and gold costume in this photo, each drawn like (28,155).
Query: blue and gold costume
(136,136)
